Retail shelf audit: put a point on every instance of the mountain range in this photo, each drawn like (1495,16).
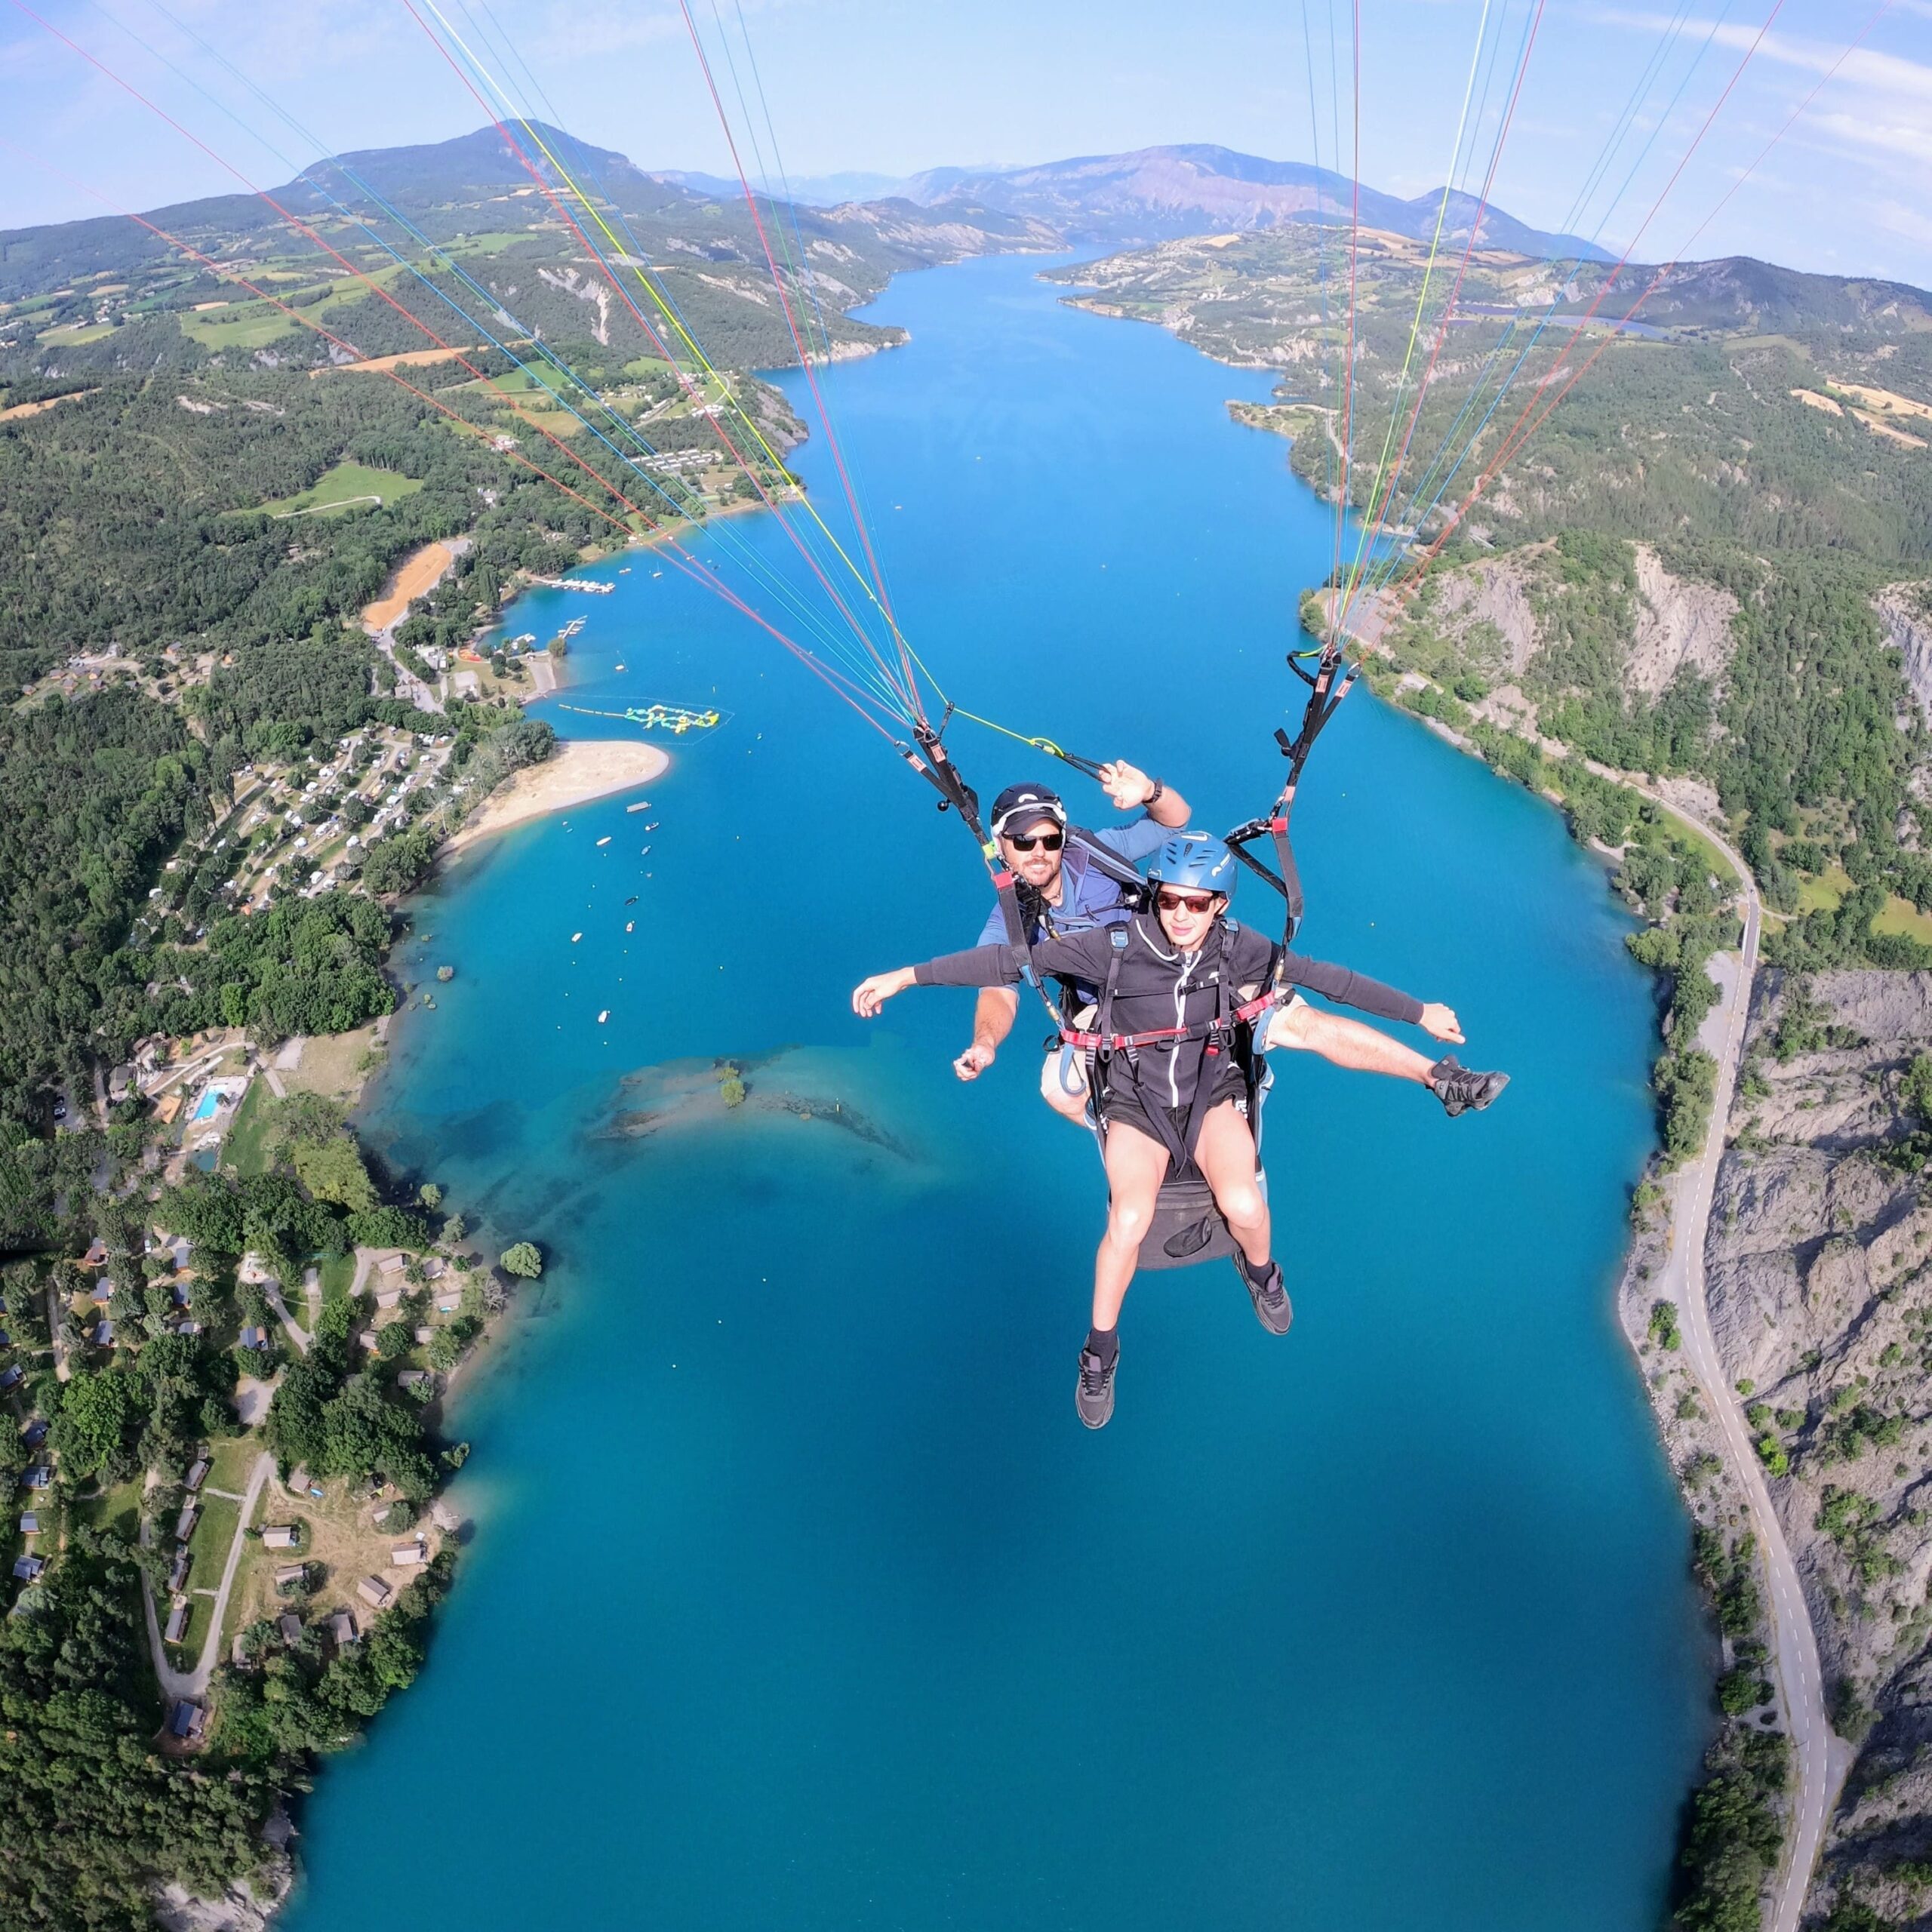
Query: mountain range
(1159,194)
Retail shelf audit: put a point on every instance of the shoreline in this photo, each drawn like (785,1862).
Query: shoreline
(580,771)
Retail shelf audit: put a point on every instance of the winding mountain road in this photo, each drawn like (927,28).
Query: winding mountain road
(1822,1760)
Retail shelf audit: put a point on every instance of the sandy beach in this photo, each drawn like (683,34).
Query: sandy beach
(420,572)
(578,770)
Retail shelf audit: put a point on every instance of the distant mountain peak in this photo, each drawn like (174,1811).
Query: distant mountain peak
(1191,188)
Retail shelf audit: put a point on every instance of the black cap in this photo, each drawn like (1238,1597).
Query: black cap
(1019,807)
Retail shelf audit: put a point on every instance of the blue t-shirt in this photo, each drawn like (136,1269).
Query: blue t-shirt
(1088,898)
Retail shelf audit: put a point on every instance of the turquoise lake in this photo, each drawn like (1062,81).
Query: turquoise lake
(797,1596)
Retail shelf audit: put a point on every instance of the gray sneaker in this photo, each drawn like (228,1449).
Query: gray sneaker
(1459,1090)
(1272,1308)
(1093,1392)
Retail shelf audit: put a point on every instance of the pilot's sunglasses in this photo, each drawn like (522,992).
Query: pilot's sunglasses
(1024,842)
(1190,902)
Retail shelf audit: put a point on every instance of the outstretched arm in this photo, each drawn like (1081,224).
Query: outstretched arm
(1348,988)
(1080,955)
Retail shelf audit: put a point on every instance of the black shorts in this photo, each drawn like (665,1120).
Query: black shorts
(1127,1104)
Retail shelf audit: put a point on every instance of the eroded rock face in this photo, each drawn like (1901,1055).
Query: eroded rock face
(1908,623)
(1819,1271)
(1679,622)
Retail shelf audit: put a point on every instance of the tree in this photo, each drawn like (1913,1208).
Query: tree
(522,1258)
(96,1409)
(333,1169)
(430,1196)
(1915,1089)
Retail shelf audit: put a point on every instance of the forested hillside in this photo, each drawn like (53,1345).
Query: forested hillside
(1713,559)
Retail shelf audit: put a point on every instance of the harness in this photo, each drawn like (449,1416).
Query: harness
(1228,1031)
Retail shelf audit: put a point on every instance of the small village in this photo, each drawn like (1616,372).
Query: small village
(251,1558)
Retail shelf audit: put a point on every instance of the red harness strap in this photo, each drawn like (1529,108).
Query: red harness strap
(1115,1043)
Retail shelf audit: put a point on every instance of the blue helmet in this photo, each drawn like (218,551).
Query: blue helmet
(1196,860)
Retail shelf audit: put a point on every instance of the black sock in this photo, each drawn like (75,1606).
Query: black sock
(1257,1272)
(1104,1342)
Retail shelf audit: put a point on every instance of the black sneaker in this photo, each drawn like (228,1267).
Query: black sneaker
(1460,1091)
(1093,1392)
(1272,1308)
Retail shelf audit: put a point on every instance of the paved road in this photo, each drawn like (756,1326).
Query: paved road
(1822,1760)
(272,1294)
(194,1683)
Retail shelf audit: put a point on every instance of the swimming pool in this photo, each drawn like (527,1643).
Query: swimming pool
(204,1108)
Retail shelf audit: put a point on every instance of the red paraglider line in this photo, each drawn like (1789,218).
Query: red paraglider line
(624,295)
(1377,510)
(805,360)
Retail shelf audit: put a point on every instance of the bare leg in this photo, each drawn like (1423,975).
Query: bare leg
(1225,1153)
(1070,1103)
(1346,1043)
(1136,1166)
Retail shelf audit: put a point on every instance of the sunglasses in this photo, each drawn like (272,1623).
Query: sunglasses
(1171,901)
(1024,842)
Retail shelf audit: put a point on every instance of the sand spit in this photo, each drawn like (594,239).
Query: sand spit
(577,771)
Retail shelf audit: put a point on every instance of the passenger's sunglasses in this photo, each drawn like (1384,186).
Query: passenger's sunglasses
(1024,842)
(1190,902)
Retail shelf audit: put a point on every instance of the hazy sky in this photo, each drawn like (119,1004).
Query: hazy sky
(898,85)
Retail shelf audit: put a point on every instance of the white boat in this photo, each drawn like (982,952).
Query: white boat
(603,1016)
(605,840)
(575,937)
(642,805)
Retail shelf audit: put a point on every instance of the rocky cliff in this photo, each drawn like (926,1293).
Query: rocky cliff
(1819,1261)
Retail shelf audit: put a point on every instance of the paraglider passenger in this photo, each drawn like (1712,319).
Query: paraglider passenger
(1179,967)
(1071,880)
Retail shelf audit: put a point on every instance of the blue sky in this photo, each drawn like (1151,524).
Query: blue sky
(898,85)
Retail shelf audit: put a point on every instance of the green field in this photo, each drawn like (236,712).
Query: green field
(347,485)
(492,243)
(1900,915)
(245,1146)
(243,325)
(338,1271)
(544,381)
(1826,893)
(66,337)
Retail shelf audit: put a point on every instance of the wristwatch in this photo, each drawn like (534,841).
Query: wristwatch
(1153,797)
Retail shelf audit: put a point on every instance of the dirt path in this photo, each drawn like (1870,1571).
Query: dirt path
(194,1683)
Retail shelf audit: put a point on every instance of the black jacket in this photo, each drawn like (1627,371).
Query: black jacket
(1157,987)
